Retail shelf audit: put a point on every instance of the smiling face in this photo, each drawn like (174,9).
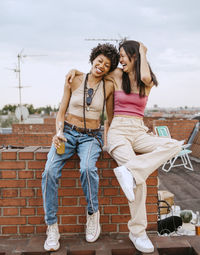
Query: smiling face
(100,65)
(127,64)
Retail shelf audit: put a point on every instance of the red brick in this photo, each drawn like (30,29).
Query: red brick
(26,155)
(27,211)
(36,164)
(73,210)
(10,211)
(152,199)
(35,202)
(12,164)
(119,200)
(9,230)
(12,220)
(152,217)
(123,228)
(107,173)
(120,218)
(9,193)
(124,209)
(102,164)
(72,228)
(35,220)
(152,208)
(70,164)
(152,190)
(41,155)
(41,229)
(26,230)
(9,155)
(34,183)
(152,181)
(25,174)
(27,192)
(104,218)
(70,173)
(111,191)
(113,164)
(111,210)
(104,200)
(8,174)
(69,201)
(109,228)
(38,174)
(69,220)
(68,183)
(104,182)
(82,201)
(12,183)
(12,202)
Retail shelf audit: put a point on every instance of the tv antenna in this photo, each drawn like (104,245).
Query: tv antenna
(108,39)
(17,70)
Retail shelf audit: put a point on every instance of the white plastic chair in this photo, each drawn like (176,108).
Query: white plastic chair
(163,131)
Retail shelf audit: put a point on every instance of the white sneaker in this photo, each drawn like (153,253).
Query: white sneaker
(126,181)
(53,236)
(93,228)
(142,243)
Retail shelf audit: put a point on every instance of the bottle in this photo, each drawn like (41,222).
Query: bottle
(61,149)
(197,225)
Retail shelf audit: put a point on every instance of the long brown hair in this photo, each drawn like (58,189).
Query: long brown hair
(132,47)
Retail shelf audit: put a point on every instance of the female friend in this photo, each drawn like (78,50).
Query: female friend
(128,135)
(84,102)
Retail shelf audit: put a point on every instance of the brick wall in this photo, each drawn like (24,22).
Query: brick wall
(179,129)
(21,207)
(33,128)
(26,139)
(196,146)
(41,134)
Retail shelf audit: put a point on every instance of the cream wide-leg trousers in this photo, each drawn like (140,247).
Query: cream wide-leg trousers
(127,136)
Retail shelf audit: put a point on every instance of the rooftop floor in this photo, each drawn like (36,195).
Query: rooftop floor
(106,245)
(184,184)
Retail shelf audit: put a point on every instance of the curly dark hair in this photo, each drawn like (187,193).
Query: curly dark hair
(109,51)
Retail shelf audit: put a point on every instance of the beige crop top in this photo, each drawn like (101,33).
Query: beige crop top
(76,101)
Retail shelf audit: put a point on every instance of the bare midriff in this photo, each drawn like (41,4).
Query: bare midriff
(79,121)
(128,116)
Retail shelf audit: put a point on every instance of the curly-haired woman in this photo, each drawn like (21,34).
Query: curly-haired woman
(84,102)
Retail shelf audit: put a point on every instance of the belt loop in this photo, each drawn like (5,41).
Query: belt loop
(72,127)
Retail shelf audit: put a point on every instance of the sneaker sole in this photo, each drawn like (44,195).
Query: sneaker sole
(48,248)
(129,195)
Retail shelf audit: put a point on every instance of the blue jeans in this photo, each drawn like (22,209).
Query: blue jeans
(88,150)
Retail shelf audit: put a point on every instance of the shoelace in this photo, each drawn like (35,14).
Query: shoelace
(90,224)
(52,233)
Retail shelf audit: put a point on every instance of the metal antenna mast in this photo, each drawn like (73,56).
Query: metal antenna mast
(107,39)
(18,70)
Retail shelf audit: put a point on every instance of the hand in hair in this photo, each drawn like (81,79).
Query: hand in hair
(142,49)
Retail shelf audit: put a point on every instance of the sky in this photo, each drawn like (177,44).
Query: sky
(51,36)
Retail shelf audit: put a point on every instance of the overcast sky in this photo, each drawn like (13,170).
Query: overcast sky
(56,31)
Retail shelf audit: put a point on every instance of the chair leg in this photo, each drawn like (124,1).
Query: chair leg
(190,167)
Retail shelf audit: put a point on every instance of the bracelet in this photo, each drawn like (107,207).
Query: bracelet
(60,133)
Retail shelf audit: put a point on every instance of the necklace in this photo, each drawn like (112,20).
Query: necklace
(91,93)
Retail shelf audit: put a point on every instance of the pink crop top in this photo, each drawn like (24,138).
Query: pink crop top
(129,104)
